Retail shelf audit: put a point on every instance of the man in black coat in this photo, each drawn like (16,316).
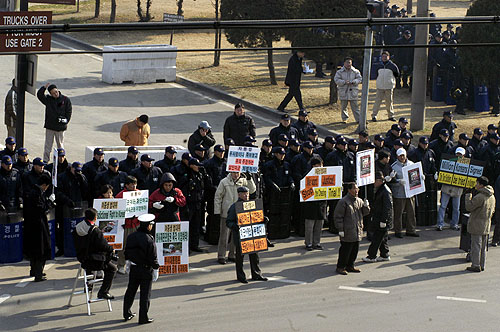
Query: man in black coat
(169,161)
(94,252)
(23,163)
(62,163)
(112,176)
(303,125)
(404,59)
(201,136)
(441,145)
(283,128)
(292,150)
(382,209)
(10,148)
(476,141)
(92,168)
(10,186)
(148,176)
(58,111)
(327,147)
(30,179)
(130,163)
(292,80)
(447,123)
(239,125)
(141,252)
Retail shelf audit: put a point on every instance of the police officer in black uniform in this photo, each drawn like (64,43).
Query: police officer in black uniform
(10,148)
(10,186)
(283,128)
(169,161)
(292,150)
(198,182)
(463,142)
(91,168)
(141,252)
(23,163)
(303,125)
(447,123)
(30,179)
(476,142)
(62,162)
(130,163)
(441,145)
(112,176)
(392,136)
(326,147)
(148,176)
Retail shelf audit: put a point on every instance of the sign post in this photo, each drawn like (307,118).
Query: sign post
(172,18)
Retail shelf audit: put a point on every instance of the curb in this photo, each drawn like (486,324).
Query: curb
(223,95)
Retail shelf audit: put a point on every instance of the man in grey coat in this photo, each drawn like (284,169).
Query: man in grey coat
(348,217)
(347,79)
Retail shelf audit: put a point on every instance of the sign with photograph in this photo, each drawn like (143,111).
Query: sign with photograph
(252,230)
(110,219)
(243,159)
(137,202)
(321,183)
(460,171)
(172,247)
(414,179)
(365,167)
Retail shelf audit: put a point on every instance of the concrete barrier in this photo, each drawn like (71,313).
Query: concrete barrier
(147,67)
(120,152)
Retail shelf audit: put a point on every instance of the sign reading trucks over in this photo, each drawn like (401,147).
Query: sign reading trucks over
(25,42)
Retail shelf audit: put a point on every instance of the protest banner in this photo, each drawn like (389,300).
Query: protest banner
(243,159)
(55,162)
(460,171)
(137,202)
(414,179)
(110,219)
(172,247)
(321,183)
(365,167)
(252,230)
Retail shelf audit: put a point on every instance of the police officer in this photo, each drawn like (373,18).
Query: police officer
(169,161)
(293,150)
(425,155)
(379,142)
(404,59)
(30,179)
(489,154)
(312,136)
(10,148)
(476,142)
(406,138)
(23,163)
(303,125)
(148,176)
(141,252)
(62,162)
(91,168)
(201,136)
(342,157)
(447,123)
(10,186)
(265,152)
(392,136)
(239,125)
(232,223)
(441,145)
(363,140)
(130,163)
(112,176)
(283,128)
(326,147)
(463,142)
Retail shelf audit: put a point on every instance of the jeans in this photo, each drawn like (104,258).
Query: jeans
(445,198)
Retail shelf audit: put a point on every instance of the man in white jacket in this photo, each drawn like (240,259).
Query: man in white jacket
(387,72)
(347,79)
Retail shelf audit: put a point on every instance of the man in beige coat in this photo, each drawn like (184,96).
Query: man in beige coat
(347,79)
(136,132)
(225,195)
(481,208)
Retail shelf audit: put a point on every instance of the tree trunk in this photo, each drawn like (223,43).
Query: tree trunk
(97,8)
(270,63)
(179,7)
(112,16)
(333,88)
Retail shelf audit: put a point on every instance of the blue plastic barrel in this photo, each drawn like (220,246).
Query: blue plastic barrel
(437,87)
(376,60)
(11,237)
(481,101)
(449,99)
(51,218)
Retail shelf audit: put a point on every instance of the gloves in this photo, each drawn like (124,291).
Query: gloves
(52,198)
(20,206)
(292,187)
(155,275)
(422,177)
(158,205)
(127,266)
(366,204)
(388,178)
(393,174)
(402,182)
(2,208)
(383,225)
(169,199)
(341,234)
(276,188)
(436,176)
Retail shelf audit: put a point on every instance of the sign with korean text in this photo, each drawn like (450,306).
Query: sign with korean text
(414,179)
(172,247)
(365,167)
(26,41)
(321,183)
(243,159)
(110,219)
(137,202)
(251,224)
(460,171)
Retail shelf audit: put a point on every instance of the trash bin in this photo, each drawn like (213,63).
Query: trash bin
(437,86)
(376,60)
(72,216)
(481,100)
(11,237)
(51,219)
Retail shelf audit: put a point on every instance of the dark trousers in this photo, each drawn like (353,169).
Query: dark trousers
(139,277)
(254,260)
(37,266)
(109,273)
(293,92)
(195,216)
(348,253)
(496,232)
(379,241)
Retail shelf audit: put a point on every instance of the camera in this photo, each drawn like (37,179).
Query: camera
(62,120)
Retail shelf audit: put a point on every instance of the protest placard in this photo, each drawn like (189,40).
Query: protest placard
(251,224)
(243,159)
(321,183)
(137,202)
(110,219)
(459,171)
(414,179)
(172,247)
(365,167)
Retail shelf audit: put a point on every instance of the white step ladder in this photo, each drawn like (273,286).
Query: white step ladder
(88,284)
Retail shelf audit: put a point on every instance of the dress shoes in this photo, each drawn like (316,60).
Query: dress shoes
(243,281)
(309,247)
(40,279)
(398,235)
(412,234)
(129,317)
(318,247)
(259,278)
(32,274)
(231,259)
(222,261)
(341,271)
(105,296)
(147,321)
(473,268)
(352,269)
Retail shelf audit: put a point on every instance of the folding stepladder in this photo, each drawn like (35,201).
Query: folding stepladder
(88,280)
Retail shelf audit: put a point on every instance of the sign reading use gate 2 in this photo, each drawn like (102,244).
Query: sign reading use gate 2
(321,183)
(250,216)
(243,159)
(460,172)
(24,42)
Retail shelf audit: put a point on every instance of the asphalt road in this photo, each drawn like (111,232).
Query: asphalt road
(423,288)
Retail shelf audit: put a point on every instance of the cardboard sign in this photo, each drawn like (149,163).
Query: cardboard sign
(55,162)
(25,42)
(365,167)
(137,202)
(460,172)
(321,183)
(172,247)
(110,219)
(250,216)
(243,159)
(414,179)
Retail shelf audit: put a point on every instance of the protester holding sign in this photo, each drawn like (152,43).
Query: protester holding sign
(166,200)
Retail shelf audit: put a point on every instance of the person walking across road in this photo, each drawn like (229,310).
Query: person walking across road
(292,80)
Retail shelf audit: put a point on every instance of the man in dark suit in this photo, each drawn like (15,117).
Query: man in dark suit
(292,80)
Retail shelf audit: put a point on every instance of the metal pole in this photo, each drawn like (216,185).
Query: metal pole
(367,65)
(21,80)
(172,37)
(420,71)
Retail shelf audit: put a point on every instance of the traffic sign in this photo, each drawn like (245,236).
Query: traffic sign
(25,42)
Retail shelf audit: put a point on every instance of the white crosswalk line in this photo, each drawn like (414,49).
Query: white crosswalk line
(368,290)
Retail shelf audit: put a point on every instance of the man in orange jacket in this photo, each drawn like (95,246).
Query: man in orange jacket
(136,132)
